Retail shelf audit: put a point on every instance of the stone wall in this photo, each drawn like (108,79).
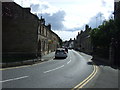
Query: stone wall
(19,31)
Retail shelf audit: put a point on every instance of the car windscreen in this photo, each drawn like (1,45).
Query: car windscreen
(60,51)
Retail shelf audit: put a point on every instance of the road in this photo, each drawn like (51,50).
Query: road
(55,73)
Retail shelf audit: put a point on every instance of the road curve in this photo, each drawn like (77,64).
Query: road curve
(56,73)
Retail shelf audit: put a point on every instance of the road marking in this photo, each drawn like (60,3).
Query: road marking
(24,65)
(89,60)
(13,79)
(84,82)
(54,69)
(89,78)
(69,61)
(14,67)
(77,53)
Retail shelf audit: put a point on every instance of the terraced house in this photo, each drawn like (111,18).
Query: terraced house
(48,40)
(24,35)
(83,41)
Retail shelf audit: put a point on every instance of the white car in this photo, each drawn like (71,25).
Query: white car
(60,53)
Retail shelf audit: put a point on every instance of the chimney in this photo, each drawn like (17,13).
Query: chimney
(27,9)
(86,27)
(49,26)
(42,21)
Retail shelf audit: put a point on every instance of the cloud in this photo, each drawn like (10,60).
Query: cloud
(96,20)
(55,19)
(74,29)
(103,3)
(37,8)
(66,35)
(45,7)
(52,15)
(34,7)
(69,16)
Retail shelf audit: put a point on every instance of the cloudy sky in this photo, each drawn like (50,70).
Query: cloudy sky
(68,17)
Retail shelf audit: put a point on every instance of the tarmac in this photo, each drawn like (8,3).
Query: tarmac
(107,76)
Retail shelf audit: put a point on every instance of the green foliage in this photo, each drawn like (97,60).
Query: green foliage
(101,36)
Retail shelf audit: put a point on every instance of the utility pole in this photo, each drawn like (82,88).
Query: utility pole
(100,18)
(96,22)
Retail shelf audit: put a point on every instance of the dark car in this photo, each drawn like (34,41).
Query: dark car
(66,49)
(60,53)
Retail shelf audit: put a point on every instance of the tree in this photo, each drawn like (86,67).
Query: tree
(101,36)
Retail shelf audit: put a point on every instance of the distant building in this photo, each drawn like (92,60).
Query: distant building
(69,44)
(77,41)
(83,41)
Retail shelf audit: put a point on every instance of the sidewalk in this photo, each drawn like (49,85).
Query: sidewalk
(28,62)
(48,56)
(107,77)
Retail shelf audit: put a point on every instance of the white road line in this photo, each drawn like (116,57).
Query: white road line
(68,62)
(54,69)
(14,79)
(77,53)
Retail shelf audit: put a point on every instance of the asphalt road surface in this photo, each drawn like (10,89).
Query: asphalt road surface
(55,73)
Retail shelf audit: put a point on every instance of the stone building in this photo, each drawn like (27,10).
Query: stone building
(48,40)
(83,41)
(69,44)
(24,35)
(19,31)
(77,42)
(42,36)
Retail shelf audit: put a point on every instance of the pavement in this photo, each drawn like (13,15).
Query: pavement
(107,77)
(28,62)
(48,56)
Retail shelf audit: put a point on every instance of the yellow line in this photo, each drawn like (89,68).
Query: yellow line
(89,79)
(15,67)
(84,82)
(85,79)
(19,66)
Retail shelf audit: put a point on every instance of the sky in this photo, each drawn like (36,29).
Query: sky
(68,17)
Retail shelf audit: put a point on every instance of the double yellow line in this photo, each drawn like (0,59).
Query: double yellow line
(84,82)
